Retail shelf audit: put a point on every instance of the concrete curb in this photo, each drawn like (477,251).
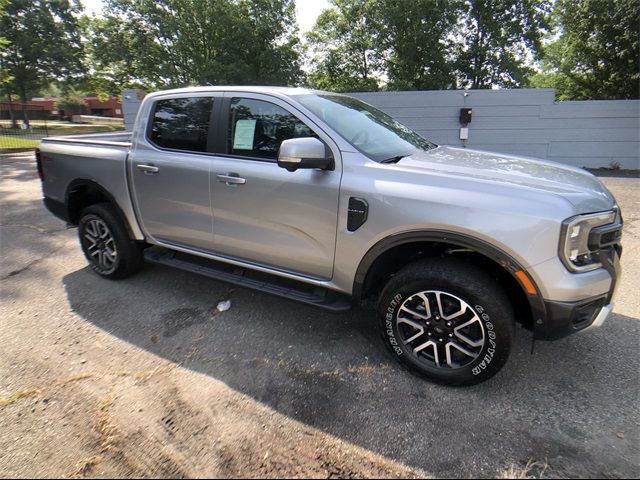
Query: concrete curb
(7,152)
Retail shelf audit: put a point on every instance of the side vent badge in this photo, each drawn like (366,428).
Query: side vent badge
(358,212)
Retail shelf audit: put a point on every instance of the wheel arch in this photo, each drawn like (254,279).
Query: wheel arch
(84,192)
(380,260)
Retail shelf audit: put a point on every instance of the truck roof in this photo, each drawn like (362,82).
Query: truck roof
(287,91)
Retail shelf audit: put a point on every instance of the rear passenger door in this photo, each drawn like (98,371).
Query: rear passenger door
(169,170)
(265,214)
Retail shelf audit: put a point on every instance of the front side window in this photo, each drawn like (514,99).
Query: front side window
(257,128)
(182,123)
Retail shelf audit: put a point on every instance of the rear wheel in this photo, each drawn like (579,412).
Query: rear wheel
(447,320)
(106,243)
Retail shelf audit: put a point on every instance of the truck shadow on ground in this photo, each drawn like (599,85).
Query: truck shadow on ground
(331,371)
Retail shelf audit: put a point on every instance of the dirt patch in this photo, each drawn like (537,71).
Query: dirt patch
(14,397)
(174,426)
(529,470)
(169,422)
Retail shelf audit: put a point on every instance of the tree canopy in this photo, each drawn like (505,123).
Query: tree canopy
(417,44)
(4,74)
(344,45)
(44,42)
(583,48)
(498,41)
(169,43)
(427,44)
(597,53)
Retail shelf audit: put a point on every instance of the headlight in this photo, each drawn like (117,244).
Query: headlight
(575,249)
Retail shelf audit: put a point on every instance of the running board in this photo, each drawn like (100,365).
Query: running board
(245,277)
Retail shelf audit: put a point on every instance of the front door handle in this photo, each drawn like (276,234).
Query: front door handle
(147,168)
(231,179)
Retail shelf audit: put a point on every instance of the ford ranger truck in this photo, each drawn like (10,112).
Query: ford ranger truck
(324,199)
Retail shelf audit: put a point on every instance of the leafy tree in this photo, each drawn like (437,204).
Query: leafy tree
(5,76)
(71,102)
(117,55)
(346,56)
(498,40)
(426,44)
(169,43)
(270,37)
(597,53)
(4,42)
(416,37)
(45,43)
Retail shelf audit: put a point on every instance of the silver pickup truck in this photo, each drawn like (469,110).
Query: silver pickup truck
(323,199)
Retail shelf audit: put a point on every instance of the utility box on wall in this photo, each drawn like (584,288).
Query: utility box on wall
(465,116)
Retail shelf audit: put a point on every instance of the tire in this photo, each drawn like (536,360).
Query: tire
(106,243)
(464,338)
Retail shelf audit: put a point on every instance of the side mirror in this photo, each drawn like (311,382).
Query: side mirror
(305,152)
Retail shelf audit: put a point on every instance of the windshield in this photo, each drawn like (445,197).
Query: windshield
(370,130)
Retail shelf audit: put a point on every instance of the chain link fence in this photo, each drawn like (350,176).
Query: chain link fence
(22,125)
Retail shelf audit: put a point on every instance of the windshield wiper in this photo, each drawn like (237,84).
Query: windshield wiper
(395,159)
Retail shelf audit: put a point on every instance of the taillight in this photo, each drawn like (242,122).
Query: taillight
(39,164)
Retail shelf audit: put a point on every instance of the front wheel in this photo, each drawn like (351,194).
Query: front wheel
(447,320)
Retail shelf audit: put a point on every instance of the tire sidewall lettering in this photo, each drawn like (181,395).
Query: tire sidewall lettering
(389,323)
(492,345)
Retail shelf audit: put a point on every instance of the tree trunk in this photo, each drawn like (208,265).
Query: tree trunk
(477,52)
(25,114)
(14,122)
(365,68)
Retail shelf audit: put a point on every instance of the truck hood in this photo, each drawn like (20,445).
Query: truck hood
(582,189)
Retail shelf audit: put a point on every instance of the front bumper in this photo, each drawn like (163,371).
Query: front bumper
(565,318)
(602,316)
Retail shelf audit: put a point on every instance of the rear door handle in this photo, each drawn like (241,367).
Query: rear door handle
(147,168)
(231,179)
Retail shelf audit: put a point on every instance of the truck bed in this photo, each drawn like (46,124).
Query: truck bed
(96,159)
(120,139)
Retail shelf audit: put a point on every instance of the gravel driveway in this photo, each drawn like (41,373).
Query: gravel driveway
(143,377)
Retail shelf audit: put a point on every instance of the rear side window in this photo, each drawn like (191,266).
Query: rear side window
(182,123)
(257,128)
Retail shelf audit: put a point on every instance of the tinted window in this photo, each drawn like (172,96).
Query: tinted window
(257,128)
(182,123)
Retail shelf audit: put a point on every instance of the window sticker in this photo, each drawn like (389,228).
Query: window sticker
(244,134)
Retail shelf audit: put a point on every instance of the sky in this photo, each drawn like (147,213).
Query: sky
(306,11)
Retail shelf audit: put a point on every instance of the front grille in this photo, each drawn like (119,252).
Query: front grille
(605,236)
(610,238)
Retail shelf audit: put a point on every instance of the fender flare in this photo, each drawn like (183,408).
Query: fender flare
(85,182)
(506,261)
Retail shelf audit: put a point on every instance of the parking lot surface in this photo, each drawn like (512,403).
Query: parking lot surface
(144,377)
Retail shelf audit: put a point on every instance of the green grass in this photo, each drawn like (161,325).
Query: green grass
(11,139)
(13,143)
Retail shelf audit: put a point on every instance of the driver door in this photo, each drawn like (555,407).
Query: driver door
(266,215)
